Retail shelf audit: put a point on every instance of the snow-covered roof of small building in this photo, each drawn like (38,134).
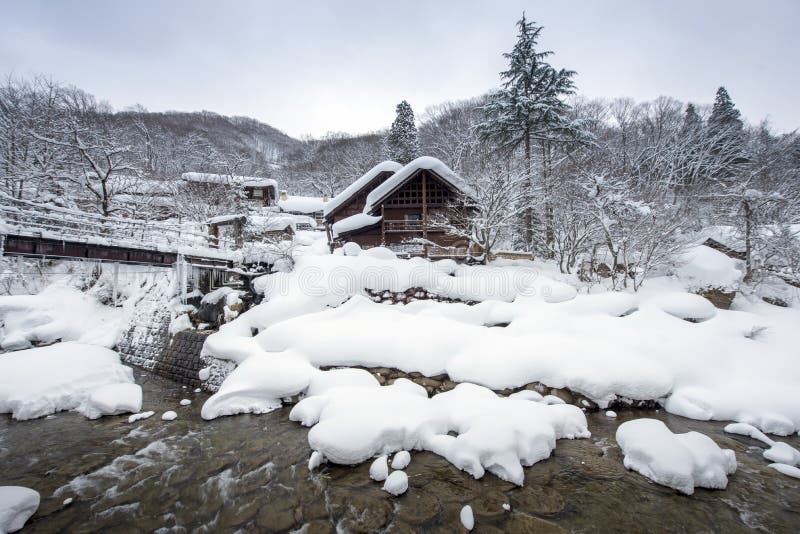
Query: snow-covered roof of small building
(354,222)
(270,223)
(210,178)
(222,219)
(358,185)
(295,204)
(399,177)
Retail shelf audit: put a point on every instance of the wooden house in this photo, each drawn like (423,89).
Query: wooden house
(400,207)
(257,191)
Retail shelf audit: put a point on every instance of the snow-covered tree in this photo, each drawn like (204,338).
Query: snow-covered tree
(402,142)
(530,110)
(486,215)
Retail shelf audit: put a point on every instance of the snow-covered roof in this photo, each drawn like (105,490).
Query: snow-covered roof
(354,222)
(304,205)
(358,185)
(398,178)
(270,223)
(219,219)
(209,178)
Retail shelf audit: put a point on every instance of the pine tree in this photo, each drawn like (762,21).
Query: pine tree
(691,120)
(530,109)
(725,118)
(402,142)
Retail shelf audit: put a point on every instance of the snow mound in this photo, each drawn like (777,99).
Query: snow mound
(788,470)
(782,453)
(185,402)
(351,249)
(379,469)
(141,415)
(744,429)
(379,253)
(316,460)
(498,434)
(17,505)
(396,483)
(58,313)
(112,399)
(684,306)
(703,267)
(41,381)
(679,461)
(401,460)
(467,517)
(169,415)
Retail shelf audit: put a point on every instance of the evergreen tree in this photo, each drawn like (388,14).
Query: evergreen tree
(725,118)
(402,142)
(691,120)
(529,110)
(726,132)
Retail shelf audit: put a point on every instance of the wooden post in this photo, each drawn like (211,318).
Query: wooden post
(115,282)
(424,206)
(383,226)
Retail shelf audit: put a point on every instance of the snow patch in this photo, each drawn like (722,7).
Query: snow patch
(679,461)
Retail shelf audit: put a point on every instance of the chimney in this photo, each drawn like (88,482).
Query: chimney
(284,196)
(324,198)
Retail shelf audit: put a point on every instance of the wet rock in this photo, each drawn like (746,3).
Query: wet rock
(525,524)
(318,527)
(539,500)
(278,509)
(489,504)
(418,506)
(359,511)
(453,490)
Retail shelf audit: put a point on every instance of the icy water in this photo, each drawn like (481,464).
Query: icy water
(248,474)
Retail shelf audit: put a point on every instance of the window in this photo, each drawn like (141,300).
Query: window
(258,193)
(413,216)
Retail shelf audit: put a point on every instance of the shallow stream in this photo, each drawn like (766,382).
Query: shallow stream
(248,474)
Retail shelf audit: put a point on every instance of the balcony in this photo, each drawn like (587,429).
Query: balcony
(409,226)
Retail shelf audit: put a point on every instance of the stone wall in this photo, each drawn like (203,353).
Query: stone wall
(148,335)
(181,360)
(410,295)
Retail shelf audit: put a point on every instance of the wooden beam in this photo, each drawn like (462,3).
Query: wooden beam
(424,205)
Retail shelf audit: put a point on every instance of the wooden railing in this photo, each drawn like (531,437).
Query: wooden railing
(410,226)
(22,217)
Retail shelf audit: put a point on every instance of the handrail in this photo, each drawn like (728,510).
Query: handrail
(29,217)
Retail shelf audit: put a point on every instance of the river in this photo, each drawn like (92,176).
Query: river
(248,474)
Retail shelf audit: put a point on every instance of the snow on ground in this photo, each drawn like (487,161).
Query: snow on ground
(661,343)
(66,376)
(73,304)
(59,312)
(352,424)
(113,399)
(17,504)
(679,461)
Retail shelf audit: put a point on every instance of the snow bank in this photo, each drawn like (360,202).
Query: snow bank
(679,461)
(112,399)
(498,434)
(661,344)
(17,505)
(703,267)
(58,313)
(41,381)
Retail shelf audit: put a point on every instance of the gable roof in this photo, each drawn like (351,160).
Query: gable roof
(403,175)
(353,189)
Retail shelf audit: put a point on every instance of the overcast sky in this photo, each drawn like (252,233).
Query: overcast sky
(309,67)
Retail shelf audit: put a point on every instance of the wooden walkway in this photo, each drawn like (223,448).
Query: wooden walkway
(42,231)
